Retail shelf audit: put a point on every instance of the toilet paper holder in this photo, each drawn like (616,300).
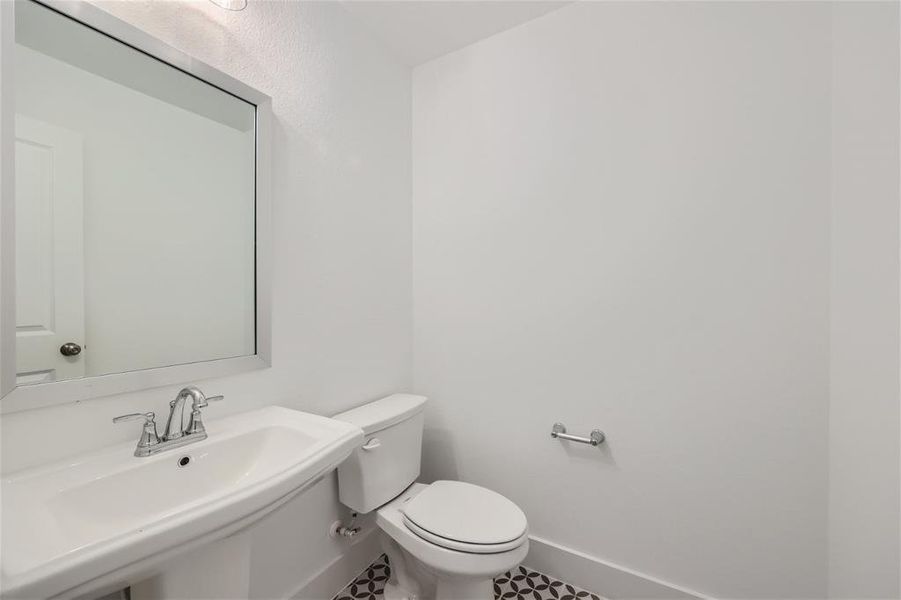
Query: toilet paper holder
(595,438)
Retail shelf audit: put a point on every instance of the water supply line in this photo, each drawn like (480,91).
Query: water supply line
(338,529)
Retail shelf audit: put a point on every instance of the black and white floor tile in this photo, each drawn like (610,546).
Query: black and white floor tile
(519,584)
(369,584)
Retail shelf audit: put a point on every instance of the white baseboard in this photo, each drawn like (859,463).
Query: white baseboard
(341,571)
(582,570)
(599,576)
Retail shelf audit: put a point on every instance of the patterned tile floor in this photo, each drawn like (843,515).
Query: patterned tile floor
(519,584)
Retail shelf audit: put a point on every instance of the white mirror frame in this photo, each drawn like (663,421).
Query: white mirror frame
(13,398)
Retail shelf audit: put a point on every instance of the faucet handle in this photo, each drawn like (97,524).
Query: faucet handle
(204,401)
(195,423)
(149,436)
(148,417)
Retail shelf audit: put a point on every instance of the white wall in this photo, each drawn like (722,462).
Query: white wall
(621,220)
(863,419)
(168,213)
(648,253)
(341,279)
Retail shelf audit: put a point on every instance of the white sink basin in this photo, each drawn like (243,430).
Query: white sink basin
(86,519)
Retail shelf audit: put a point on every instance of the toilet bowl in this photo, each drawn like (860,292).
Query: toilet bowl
(446,540)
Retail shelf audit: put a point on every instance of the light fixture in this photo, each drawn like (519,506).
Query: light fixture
(231,4)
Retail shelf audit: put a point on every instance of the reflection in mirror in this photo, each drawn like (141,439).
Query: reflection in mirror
(134,208)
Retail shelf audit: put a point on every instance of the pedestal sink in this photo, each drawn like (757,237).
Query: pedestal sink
(107,517)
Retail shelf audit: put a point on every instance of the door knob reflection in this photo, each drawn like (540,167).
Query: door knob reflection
(70,349)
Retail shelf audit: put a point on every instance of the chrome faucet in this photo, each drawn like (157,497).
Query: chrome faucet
(198,401)
(177,434)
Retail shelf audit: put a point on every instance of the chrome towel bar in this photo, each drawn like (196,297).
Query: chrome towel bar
(596,438)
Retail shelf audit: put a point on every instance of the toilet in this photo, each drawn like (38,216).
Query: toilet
(446,540)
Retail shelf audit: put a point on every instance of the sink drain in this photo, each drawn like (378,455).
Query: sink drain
(184,461)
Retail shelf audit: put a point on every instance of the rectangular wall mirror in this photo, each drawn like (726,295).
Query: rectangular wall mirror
(138,205)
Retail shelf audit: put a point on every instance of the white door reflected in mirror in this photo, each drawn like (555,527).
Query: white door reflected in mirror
(49,251)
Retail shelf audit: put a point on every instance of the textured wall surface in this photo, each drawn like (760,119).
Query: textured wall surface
(341,227)
(621,220)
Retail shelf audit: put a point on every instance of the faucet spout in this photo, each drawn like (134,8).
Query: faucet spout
(176,428)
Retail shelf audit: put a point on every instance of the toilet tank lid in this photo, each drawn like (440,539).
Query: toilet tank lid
(379,414)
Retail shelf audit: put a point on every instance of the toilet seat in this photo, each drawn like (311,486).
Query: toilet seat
(466,518)
(464,546)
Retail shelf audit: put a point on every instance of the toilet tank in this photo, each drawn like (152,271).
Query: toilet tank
(388,460)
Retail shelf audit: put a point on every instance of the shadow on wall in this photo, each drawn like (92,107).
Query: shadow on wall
(438,454)
(598,455)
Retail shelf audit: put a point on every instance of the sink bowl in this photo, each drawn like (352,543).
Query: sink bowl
(94,517)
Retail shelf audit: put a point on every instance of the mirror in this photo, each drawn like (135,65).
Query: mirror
(135,206)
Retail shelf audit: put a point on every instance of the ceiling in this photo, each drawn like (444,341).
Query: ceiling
(419,30)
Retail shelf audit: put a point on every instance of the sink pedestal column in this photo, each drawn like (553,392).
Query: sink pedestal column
(216,571)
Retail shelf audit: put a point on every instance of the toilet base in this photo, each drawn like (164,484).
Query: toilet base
(412,580)
(409,580)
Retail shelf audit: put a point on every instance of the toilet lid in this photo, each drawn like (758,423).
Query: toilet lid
(460,512)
